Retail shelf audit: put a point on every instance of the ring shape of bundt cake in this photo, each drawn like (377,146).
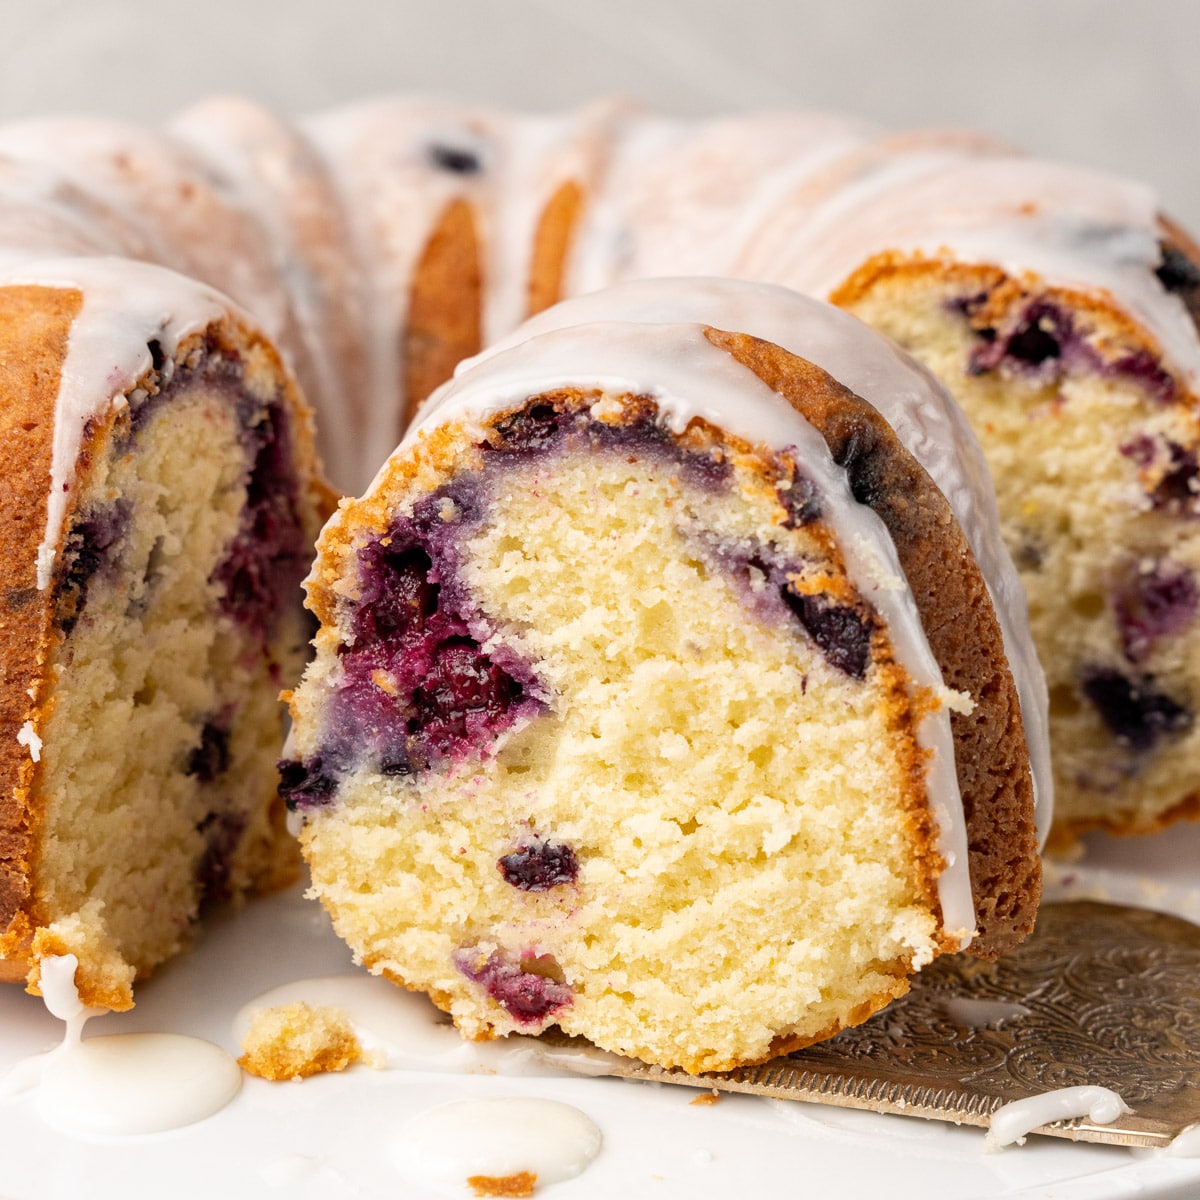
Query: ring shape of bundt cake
(659,694)
(159,512)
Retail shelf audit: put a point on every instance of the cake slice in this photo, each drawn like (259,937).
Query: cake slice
(161,503)
(659,694)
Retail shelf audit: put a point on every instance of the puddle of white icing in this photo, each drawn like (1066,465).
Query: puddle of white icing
(136,1083)
(445,1146)
(974,1013)
(123,1084)
(1011,1122)
(1186,1144)
(414,1035)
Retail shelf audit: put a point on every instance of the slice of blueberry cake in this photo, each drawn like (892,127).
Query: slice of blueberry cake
(1080,377)
(659,695)
(155,530)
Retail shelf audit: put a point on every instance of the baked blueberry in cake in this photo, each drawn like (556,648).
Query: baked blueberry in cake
(641,705)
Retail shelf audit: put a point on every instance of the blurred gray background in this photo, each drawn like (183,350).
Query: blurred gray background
(1110,83)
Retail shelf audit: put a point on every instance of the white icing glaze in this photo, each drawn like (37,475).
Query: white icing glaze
(124,1084)
(1186,1144)
(1011,1122)
(27,736)
(135,1083)
(974,1013)
(925,417)
(497,1137)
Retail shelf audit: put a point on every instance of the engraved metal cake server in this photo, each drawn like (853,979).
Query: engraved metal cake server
(1100,994)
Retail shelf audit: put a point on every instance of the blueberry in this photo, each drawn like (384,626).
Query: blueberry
(1177,488)
(311,783)
(397,594)
(537,865)
(1177,273)
(1178,491)
(842,633)
(1033,345)
(527,997)
(456,159)
(210,758)
(1133,712)
(1153,605)
(1040,335)
(463,687)
(532,428)
(800,502)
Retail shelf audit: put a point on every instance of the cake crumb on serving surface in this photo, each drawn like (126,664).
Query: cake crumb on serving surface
(294,1041)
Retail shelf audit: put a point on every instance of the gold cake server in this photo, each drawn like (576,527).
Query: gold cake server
(1100,994)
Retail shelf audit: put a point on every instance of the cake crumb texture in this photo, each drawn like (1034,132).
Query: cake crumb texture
(294,1041)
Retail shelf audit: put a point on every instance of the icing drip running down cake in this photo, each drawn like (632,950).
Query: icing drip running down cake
(659,695)
(151,613)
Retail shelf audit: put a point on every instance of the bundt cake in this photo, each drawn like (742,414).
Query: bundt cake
(659,695)
(377,246)
(158,517)
(1056,303)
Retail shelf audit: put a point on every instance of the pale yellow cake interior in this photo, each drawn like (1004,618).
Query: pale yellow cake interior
(738,807)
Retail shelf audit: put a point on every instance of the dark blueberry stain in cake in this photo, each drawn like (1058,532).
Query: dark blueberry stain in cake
(538,865)
(645,437)
(1132,710)
(535,427)
(270,554)
(222,835)
(459,160)
(397,592)
(158,358)
(210,757)
(464,696)
(859,456)
(1173,486)
(842,632)
(800,502)
(1140,450)
(529,998)
(543,428)
(1155,604)
(417,690)
(1037,336)
(309,783)
(89,547)
(1042,342)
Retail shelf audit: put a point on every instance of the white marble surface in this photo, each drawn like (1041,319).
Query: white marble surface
(1103,82)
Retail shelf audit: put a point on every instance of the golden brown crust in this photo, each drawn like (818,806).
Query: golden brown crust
(34,326)
(951,596)
(551,243)
(523,1183)
(445,322)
